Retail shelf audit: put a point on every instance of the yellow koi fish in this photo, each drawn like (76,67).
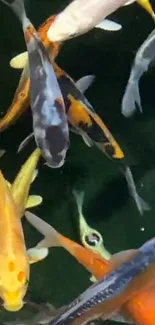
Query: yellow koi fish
(14,259)
(14,263)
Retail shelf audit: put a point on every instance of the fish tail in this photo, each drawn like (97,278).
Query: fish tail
(18,8)
(52,237)
(79,198)
(131,99)
(141,204)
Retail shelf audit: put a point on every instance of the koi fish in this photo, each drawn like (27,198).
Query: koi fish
(145,55)
(86,123)
(21,185)
(78,17)
(14,270)
(48,110)
(90,237)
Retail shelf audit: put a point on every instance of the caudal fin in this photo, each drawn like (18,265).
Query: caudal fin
(140,203)
(130,99)
(51,236)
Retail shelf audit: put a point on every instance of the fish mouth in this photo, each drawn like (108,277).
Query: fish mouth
(14,307)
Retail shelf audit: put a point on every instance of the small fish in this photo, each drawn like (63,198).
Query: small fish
(48,110)
(14,263)
(21,185)
(92,261)
(90,237)
(145,55)
(78,17)
(108,295)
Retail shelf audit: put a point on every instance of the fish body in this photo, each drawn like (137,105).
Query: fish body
(108,295)
(79,17)
(90,237)
(21,185)
(14,263)
(144,56)
(48,110)
(21,99)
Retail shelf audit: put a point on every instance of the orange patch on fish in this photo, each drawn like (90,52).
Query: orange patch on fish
(77,114)
(21,276)
(11,266)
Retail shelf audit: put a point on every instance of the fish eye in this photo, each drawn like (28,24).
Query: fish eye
(92,239)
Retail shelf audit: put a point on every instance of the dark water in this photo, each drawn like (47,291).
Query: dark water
(107,206)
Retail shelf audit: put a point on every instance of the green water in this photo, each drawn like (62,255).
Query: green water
(107,205)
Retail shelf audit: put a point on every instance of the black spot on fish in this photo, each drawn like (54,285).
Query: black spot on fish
(109,149)
(55,139)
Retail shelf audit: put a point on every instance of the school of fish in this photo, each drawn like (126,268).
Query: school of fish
(123,287)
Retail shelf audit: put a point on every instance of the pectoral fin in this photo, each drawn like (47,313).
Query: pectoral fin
(8,184)
(85,82)
(35,174)
(33,201)
(109,25)
(19,61)
(37,254)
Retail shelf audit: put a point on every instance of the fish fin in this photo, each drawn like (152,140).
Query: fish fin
(33,201)
(88,141)
(2,152)
(131,99)
(128,3)
(93,279)
(74,130)
(25,142)
(109,25)
(34,176)
(120,318)
(19,61)
(79,198)
(148,7)
(37,254)
(140,203)
(119,258)
(51,235)
(8,184)
(84,83)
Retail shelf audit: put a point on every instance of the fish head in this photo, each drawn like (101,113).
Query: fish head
(62,29)
(13,285)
